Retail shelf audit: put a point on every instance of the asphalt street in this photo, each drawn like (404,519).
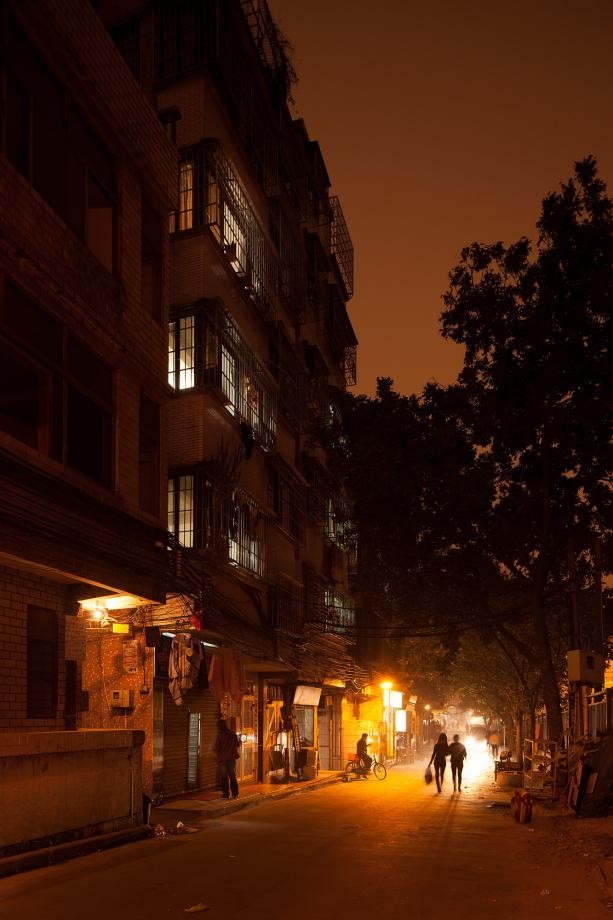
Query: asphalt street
(392,849)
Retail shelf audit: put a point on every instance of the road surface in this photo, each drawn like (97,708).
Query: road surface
(391,850)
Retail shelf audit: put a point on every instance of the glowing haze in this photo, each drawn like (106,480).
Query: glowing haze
(442,123)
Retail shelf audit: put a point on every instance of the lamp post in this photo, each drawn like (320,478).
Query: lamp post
(428,720)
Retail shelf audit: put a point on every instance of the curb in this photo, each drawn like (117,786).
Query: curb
(227,808)
(49,856)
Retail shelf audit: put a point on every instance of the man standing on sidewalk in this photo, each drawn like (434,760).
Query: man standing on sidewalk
(458,756)
(226,747)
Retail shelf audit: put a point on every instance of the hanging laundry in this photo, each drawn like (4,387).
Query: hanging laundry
(183,666)
(227,674)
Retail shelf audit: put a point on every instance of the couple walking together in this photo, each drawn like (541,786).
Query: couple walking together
(441,751)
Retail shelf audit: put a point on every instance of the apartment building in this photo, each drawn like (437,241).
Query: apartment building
(87,177)
(259,340)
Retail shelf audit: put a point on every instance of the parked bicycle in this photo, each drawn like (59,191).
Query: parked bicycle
(355,767)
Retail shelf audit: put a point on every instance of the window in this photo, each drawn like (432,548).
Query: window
(211,194)
(23,406)
(58,394)
(149,455)
(205,515)
(206,347)
(50,142)
(183,217)
(17,125)
(180,36)
(151,262)
(181,508)
(42,663)
(99,216)
(340,610)
(182,353)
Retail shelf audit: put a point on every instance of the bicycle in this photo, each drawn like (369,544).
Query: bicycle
(355,766)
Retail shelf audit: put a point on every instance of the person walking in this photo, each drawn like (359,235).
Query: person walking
(495,742)
(226,747)
(439,756)
(457,753)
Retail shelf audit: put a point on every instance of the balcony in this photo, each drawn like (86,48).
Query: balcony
(341,245)
(210,194)
(225,361)
(204,514)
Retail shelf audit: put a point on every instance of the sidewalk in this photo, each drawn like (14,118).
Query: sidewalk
(192,810)
(197,807)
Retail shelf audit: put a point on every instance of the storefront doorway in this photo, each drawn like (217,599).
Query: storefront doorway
(247,729)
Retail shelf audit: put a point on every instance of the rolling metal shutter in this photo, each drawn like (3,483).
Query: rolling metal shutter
(176,777)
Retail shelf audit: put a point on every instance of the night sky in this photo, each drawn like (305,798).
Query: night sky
(443,123)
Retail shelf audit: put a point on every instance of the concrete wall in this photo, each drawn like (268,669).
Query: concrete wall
(57,786)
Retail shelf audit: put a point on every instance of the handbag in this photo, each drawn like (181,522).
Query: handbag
(276,758)
(428,775)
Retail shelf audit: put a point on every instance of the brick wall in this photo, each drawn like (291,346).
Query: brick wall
(104,671)
(18,589)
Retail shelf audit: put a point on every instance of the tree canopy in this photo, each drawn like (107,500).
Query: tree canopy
(471,499)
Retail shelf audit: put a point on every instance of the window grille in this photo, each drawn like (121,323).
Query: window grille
(180,35)
(341,245)
(339,610)
(181,509)
(290,374)
(287,608)
(338,527)
(247,544)
(182,353)
(203,514)
(211,194)
(287,497)
(206,347)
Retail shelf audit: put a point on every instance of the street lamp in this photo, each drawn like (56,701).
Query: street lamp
(428,719)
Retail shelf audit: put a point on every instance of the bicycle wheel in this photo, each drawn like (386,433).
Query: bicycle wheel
(379,771)
(349,768)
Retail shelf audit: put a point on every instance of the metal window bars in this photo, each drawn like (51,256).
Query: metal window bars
(230,364)
(290,374)
(211,194)
(229,523)
(267,41)
(181,30)
(287,608)
(341,245)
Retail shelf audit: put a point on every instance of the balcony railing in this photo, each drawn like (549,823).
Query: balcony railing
(211,194)
(341,245)
(225,521)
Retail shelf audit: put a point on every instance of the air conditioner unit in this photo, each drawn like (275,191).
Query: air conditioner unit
(122,699)
(585,667)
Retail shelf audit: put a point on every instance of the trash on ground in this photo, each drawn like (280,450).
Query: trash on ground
(159,830)
(545,891)
(197,908)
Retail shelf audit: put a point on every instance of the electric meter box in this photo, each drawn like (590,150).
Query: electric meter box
(585,667)
(122,699)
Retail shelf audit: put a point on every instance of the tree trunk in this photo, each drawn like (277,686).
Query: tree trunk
(551,689)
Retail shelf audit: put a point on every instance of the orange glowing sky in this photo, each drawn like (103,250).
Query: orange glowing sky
(442,123)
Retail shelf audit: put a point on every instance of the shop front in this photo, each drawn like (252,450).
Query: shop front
(291,732)
(393,725)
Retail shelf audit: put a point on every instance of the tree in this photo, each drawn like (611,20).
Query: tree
(536,322)
(468,498)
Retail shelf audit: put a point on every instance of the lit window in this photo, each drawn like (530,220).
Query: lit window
(182,353)
(181,496)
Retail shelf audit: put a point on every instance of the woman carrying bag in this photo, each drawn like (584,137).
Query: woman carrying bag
(439,755)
